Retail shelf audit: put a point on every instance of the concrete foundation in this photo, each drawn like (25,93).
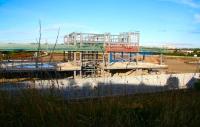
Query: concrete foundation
(111,86)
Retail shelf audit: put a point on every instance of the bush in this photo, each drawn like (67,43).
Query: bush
(31,108)
(197,85)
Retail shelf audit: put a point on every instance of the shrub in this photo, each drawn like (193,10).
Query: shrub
(197,85)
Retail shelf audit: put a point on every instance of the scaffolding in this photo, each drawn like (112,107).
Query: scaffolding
(89,46)
(126,38)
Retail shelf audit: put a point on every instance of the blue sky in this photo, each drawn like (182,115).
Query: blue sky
(160,22)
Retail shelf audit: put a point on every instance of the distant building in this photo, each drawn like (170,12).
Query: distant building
(168,46)
(186,51)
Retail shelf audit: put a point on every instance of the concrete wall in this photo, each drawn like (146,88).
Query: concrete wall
(110,86)
(180,80)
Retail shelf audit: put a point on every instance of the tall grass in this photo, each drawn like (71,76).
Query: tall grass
(30,108)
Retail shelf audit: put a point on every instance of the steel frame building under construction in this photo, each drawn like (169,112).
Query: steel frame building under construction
(95,53)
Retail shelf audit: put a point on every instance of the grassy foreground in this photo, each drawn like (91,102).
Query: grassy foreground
(169,109)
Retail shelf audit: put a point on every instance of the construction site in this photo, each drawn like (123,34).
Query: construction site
(93,65)
(91,55)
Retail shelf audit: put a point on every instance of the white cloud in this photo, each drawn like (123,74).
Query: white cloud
(69,26)
(197,18)
(190,3)
(49,32)
(17,32)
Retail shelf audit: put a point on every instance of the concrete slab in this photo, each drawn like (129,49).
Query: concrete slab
(134,65)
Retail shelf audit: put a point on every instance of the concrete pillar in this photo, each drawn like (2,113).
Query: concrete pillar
(80,73)
(104,59)
(74,74)
(74,53)
(81,58)
(136,57)
(81,63)
(109,57)
(122,56)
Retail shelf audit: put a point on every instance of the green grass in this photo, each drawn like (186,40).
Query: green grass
(169,109)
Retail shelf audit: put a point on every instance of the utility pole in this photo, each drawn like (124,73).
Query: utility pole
(39,45)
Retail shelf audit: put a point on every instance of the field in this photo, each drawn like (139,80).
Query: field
(168,109)
(180,65)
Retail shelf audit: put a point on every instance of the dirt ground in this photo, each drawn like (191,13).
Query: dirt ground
(180,65)
(57,57)
(175,64)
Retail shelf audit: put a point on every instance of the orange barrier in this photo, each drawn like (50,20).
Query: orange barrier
(121,48)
